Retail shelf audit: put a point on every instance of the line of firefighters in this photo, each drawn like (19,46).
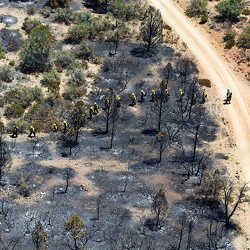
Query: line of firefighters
(95,108)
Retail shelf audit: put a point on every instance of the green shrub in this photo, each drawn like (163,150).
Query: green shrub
(231,9)
(59,3)
(83,17)
(196,8)
(229,44)
(118,9)
(246,12)
(229,35)
(12,63)
(204,17)
(90,29)
(84,51)
(35,55)
(244,38)
(2,53)
(24,96)
(64,16)
(29,24)
(31,11)
(77,78)
(6,73)
(14,111)
(64,59)
(72,93)
(51,80)
(45,12)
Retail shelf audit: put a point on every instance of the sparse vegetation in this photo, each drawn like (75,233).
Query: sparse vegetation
(244,38)
(197,8)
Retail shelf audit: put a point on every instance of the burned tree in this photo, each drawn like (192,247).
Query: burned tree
(114,38)
(67,175)
(151,28)
(159,206)
(231,199)
(114,119)
(160,104)
(5,157)
(166,139)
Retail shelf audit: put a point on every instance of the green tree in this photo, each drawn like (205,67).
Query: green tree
(35,56)
(77,232)
(39,237)
(231,9)
(118,9)
(78,117)
(151,28)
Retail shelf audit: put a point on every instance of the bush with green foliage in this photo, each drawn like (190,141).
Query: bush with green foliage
(64,16)
(90,29)
(231,9)
(24,96)
(51,80)
(126,11)
(31,11)
(12,63)
(63,59)
(229,44)
(45,11)
(204,17)
(35,55)
(229,35)
(72,93)
(246,12)
(20,123)
(244,38)
(84,51)
(196,8)
(29,24)
(59,3)
(77,77)
(6,74)
(14,111)
(2,53)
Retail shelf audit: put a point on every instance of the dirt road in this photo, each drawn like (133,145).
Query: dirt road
(222,78)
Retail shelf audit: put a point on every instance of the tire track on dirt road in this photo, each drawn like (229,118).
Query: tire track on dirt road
(222,77)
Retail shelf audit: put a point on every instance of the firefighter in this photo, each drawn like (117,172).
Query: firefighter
(228,97)
(14,131)
(203,97)
(142,95)
(32,131)
(65,126)
(118,101)
(133,99)
(181,92)
(54,127)
(152,95)
(96,108)
(166,92)
(91,112)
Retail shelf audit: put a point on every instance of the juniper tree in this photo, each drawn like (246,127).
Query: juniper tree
(151,28)
(35,55)
(76,232)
